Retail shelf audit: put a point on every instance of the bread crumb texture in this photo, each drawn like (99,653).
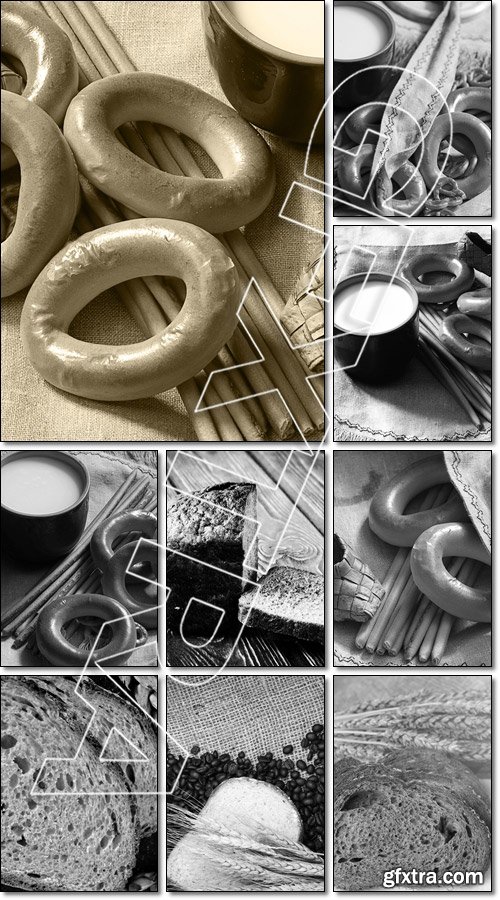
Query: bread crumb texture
(385,818)
(69,834)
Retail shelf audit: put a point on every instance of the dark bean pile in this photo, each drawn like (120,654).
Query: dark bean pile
(301,775)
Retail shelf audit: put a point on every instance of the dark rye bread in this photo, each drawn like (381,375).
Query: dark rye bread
(53,841)
(288,601)
(386,818)
(113,712)
(216,526)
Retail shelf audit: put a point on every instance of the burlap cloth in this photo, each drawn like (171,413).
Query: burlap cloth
(254,713)
(415,407)
(357,476)
(108,469)
(165,38)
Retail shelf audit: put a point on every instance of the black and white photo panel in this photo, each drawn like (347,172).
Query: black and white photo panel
(412,106)
(245,558)
(412,341)
(79,558)
(412,553)
(246,783)
(79,783)
(413,783)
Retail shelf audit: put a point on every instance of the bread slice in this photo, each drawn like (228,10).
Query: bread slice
(287,601)
(51,840)
(386,818)
(216,526)
(113,712)
(244,805)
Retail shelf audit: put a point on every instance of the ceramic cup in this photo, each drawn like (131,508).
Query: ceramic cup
(279,91)
(371,44)
(40,537)
(371,347)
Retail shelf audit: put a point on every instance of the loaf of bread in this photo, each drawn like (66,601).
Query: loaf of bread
(412,810)
(78,830)
(287,601)
(210,534)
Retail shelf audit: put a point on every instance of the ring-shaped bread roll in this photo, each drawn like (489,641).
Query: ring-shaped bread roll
(468,99)
(116,253)
(476,303)
(240,153)
(48,195)
(352,169)
(46,53)
(386,517)
(433,578)
(115,574)
(446,292)
(409,178)
(128,522)
(479,134)
(452,333)
(59,651)
(358,122)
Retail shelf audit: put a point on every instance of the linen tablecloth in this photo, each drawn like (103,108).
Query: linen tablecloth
(166,38)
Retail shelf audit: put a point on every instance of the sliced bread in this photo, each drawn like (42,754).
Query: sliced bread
(217,527)
(287,601)
(113,712)
(51,840)
(386,818)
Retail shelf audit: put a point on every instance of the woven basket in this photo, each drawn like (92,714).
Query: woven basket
(303,315)
(356,592)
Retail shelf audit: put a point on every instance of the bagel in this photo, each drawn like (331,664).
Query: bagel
(108,256)
(114,580)
(480,136)
(129,522)
(476,303)
(463,277)
(47,56)
(470,98)
(215,204)
(353,167)
(59,651)
(386,517)
(452,334)
(432,577)
(48,196)
(410,180)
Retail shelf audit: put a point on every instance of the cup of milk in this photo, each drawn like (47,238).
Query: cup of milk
(44,503)
(269,59)
(375,326)
(363,39)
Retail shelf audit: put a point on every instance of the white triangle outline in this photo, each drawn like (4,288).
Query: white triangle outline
(140,758)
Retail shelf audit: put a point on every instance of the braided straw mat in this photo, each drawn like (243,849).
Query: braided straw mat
(166,38)
(254,713)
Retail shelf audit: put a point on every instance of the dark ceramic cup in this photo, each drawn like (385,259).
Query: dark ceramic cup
(276,90)
(364,82)
(380,357)
(43,538)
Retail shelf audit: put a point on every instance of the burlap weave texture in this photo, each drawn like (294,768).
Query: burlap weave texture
(255,713)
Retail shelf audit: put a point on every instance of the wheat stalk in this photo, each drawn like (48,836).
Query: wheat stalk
(458,724)
(271,863)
